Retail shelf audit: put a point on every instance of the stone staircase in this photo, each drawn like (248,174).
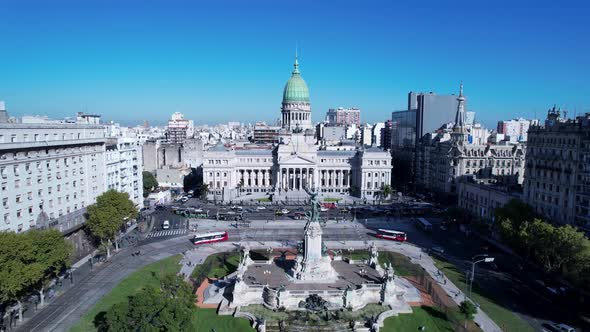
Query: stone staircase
(298,327)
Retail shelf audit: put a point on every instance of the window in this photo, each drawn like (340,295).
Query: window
(30,196)
(6,220)
(5,202)
(17,183)
(30,210)
(19,213)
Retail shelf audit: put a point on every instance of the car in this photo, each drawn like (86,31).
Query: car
(166,225)
(260,207)
(437,250)
(184,199)
(284,211)
(553,327)
(198,210)
(443,228)
(189,196)
(324,209)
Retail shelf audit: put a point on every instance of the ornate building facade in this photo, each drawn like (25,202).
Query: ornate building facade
(445,158)
(557,176)
(297,162)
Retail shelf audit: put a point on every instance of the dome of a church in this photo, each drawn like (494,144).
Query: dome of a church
(296,90)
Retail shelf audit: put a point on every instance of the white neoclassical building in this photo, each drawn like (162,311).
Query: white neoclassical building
(297,162)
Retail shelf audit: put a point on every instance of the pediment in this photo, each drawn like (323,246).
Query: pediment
(296,161)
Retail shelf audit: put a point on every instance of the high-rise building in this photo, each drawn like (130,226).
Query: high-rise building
(448,156)
(366,138)
(433,110)
(179,129)
(123,159)
(376,134)
(516,129)
(344,116)
(386,135)
(557,176)
(264,133)
(49,174)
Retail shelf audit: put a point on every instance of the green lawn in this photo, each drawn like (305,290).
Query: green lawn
(217,266)
(434,320)
(210,321)
(502,316)
(331,199)
(149,275)
(402,265)
(263,199)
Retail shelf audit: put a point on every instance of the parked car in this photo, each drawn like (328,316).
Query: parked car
(260,207)
(166,225)
(437,250)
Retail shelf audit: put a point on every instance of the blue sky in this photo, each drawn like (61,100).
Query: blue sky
(218,61)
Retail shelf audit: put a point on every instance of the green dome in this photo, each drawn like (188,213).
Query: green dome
(296,90)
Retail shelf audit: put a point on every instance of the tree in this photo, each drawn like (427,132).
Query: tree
(468,310)
(202,191)
(18,274)
(106,217)
(51,254)
(149,183)
(192,181)
(168,308)
(386,191)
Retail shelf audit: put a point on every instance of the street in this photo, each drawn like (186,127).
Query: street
(63,312)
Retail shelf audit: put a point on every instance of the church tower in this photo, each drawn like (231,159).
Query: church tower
(296,109)
(459,134)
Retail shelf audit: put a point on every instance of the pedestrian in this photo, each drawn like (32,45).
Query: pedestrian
(445,281)
(420,256)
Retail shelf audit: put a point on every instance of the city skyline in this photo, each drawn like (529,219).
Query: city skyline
(218,63)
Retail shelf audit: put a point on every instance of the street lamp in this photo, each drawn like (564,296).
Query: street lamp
(267,275)
(486,260)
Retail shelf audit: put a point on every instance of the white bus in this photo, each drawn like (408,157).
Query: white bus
(424,224)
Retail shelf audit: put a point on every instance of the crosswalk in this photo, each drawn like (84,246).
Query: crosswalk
(168,232)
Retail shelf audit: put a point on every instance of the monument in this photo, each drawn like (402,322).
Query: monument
(315,281)
(313,264)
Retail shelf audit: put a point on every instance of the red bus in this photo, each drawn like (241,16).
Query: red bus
(391,235)
(209,237)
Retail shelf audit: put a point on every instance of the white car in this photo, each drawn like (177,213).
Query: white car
(166,224)
(438,250)
(324,209)
(284,211)
(260,207)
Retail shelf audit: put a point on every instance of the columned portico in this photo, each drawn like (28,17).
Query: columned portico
(296,178)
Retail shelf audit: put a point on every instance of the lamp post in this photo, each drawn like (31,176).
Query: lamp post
(473,263)
(267,275)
